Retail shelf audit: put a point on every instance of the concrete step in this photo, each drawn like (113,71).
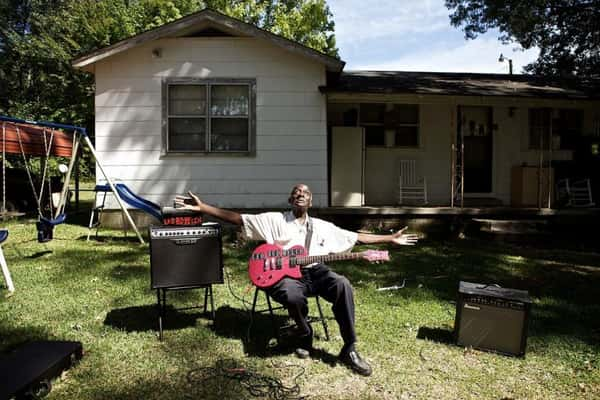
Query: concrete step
(512,227)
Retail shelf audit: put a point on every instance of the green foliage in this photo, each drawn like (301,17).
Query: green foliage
(567,32)
(39,38)
(305,21)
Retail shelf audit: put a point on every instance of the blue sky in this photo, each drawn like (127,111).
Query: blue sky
(415,35)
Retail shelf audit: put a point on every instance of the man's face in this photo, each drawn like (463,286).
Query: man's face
(300,197)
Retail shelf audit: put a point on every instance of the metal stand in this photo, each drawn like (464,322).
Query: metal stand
(162,304)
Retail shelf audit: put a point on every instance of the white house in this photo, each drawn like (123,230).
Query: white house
(238,115)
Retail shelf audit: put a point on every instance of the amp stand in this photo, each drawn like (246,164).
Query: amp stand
(162,304)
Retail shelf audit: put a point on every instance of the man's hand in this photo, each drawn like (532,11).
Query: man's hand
(192,202)
(406,239)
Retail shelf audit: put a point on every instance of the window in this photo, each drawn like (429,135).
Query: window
(401,119)
(565,125)
(404,120)
(371,118)
(208,116)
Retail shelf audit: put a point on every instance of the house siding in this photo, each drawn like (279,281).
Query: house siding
(438,126)
(291,138)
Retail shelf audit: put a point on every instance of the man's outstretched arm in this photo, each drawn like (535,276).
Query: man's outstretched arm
(401,238)
(220,213)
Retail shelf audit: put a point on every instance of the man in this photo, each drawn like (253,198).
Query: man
(320,237)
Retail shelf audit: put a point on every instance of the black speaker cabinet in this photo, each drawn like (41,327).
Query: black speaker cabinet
(492,318)
(186,256)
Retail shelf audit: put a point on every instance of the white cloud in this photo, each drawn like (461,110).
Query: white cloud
(479,55)
(415,35)
(357,20)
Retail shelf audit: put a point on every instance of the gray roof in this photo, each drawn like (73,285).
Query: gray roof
(462,84)
(207,19)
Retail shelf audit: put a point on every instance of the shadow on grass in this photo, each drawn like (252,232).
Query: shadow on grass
(145,318)
(40,254)
(116,238)
(438,335)
(258,334)
(11,337)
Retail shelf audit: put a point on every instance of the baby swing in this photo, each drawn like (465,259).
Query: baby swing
(45,226)
(64,147)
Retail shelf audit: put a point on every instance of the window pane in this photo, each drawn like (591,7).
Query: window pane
(187,99)
(374,136)
(568,127)
(372,113)
(539,126)
(229,134)
(229,100)
(187,134)
(407,136)
(404,114)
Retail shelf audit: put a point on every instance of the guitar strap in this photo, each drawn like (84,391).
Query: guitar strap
(309,231)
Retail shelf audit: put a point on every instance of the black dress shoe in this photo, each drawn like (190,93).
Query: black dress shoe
(355,362)
(299,339)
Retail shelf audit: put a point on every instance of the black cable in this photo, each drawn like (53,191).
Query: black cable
(258,385)
(245,304)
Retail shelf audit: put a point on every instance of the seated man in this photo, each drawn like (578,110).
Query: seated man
(319,237)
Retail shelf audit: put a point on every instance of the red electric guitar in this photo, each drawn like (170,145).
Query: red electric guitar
(270,263)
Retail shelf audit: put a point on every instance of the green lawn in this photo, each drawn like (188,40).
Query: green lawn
(98,292)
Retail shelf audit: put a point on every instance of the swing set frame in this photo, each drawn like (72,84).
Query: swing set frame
(79,136)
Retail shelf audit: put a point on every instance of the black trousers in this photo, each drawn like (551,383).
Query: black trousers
(318,280)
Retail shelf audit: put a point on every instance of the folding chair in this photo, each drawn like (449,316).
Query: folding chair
(270,309)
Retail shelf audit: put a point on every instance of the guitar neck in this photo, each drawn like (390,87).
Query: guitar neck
(326,258)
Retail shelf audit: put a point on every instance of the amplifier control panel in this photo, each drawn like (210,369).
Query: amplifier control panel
(494,302)
(184,232)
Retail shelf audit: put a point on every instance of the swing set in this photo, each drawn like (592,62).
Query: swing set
(46,139)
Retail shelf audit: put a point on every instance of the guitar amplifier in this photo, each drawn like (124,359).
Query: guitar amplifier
(492,318)
(185,256)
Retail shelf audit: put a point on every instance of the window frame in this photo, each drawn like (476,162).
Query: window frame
(165,118)
(552,124)
(416,124)
(386,126)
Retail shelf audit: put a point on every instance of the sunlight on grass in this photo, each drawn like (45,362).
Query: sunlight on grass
(98,292)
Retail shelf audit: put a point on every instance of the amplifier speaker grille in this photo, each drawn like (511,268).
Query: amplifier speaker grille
(492,318)
(185,256)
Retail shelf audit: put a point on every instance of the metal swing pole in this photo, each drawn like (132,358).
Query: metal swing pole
(111,184)
(65,189)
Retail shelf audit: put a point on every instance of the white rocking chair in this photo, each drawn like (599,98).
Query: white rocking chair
(411,187)
(577,193)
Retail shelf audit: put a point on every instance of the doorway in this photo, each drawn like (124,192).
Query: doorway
(475,132)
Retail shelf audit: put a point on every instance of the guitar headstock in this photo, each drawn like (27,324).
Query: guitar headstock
(376,255)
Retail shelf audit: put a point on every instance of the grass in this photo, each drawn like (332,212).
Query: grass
(98,292)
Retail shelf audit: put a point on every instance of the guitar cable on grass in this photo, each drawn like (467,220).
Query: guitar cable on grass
(257,384)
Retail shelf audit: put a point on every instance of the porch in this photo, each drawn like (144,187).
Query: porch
(576,225)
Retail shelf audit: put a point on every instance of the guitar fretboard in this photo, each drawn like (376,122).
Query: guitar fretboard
(306,260)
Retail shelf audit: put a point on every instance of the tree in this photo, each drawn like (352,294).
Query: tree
(39,38)
(567,32)
(309,22)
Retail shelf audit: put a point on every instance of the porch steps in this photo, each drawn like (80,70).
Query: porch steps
(511,227)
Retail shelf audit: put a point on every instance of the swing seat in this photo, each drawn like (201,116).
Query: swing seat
(45,227)
(3,235)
